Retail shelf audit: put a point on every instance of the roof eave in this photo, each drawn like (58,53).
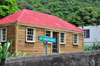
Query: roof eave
(27,24)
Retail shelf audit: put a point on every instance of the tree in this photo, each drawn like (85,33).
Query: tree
(7,7)
(59,8)
(88,15)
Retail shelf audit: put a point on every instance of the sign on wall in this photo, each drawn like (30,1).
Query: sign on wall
(47,39)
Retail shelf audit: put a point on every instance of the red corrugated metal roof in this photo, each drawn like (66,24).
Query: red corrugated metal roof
(37,18)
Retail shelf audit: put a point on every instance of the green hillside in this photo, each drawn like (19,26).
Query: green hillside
(65,9)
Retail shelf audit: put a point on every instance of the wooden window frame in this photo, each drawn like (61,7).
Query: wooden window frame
(77,39)
(33,33)
(64,38)
(6,34)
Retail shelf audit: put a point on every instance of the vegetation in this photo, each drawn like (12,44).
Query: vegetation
(8,47)
(88,15)
(7,7)
(94,47)
(73,11)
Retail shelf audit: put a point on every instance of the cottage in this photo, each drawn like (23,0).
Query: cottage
(25,26)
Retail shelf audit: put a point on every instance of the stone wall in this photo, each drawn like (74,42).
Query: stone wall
(89,58)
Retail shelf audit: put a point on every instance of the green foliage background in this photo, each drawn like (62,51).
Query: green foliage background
(7,7)
(65,9)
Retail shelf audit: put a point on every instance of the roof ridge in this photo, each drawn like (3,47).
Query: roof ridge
(41,13)
(19,15)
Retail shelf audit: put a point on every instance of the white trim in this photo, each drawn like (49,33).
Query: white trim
(77,39)
(6,34)
(64,38)
(33,34)
(50,34)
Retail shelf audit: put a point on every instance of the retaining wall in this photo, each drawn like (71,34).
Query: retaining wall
(88,58)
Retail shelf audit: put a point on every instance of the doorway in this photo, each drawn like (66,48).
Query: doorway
(55,46)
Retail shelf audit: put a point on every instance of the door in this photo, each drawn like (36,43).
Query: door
(55,46)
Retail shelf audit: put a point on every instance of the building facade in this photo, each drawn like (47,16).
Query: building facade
(92,34)
(25,34)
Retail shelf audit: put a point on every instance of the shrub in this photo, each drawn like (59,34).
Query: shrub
(94,47)
(5,54)
(87,48)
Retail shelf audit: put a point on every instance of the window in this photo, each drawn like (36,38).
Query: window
(3,35)
(75,39)
(48,33)
(62,38)
(30,35)
(87,33)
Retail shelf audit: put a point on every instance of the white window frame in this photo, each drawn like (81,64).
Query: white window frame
(33,34)
(74,39)
(85,33)
(64,38)
(50,35)
(2,35)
